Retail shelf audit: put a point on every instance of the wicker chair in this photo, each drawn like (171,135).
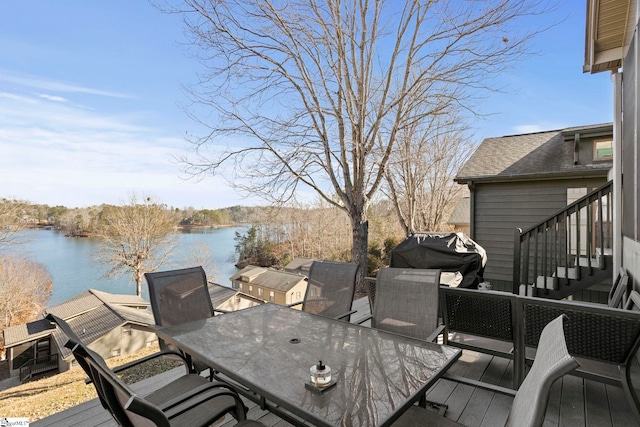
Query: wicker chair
(189,400)
(530,401)
(482,321)
(605,340)
(330,290)
(619,291)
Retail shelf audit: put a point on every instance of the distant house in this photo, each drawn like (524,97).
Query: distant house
(279,287)
(460,217)
(111,325)
(300,265)
(516,181)
(228,299)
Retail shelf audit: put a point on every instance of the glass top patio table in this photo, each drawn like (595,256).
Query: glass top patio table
(270,348)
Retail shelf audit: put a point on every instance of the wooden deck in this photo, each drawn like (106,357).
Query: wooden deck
(573,400)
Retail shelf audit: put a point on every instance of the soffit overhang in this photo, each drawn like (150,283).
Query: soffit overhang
(609,29)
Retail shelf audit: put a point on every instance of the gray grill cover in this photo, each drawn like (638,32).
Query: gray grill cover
(450,252)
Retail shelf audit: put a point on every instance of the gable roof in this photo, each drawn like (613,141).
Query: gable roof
(531,155)
(220,294)
(299,265)
(462,212)
(277,280)
(249,272)
(31,331)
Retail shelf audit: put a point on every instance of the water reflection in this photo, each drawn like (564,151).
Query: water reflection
(70,261)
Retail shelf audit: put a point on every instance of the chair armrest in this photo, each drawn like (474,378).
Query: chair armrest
(150,357)
(348,313)
(369,317)
(145,359)
(435,334)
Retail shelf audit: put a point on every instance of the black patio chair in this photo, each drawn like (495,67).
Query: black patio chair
(530,401)
(330,289)
(188,400)
(406,302)
(179,296)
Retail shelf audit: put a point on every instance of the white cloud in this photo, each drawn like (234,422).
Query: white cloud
(52,97)
(53,85)
(62,153)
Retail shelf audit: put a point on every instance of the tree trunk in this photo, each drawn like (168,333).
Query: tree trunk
(360,233)
(138,277)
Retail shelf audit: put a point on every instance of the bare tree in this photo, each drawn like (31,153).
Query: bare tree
(198,253)
(420,172)
(25,287)
(136,238)
(11,222)
(315,92)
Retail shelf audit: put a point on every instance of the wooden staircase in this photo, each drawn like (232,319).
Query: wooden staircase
(569,251)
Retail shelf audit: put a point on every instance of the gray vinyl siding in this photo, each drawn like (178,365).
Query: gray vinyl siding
(124,343)
(501,208)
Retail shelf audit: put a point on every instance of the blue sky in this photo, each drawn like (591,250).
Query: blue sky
(90,101)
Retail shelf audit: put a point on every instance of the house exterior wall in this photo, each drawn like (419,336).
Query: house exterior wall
(123,340)
(238,302)
(630,164)
(499,208)
(280,297)
(296,294)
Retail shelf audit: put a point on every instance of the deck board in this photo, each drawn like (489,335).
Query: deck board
(572,402)
(596,414)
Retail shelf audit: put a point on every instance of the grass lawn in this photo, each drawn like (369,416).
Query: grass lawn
(45,396)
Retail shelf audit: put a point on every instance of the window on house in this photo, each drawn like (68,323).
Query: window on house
(272,296)
(602,149)
(234,285)
(260,292)
(239,286)
(298,296)
(115,353)
(251,289)
(126,330)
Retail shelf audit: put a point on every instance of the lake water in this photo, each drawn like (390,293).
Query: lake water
(73,269)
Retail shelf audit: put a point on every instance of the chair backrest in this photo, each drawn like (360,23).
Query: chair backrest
(330,289)
(96,369)
(618,293)
(552,361)
(406,301)
(489,314)
(633,303)
(179,296)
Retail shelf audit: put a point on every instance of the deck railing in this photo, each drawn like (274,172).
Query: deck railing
(559,250)
(37,366)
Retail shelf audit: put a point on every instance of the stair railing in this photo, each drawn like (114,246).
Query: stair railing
(39,365)
(551,253)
